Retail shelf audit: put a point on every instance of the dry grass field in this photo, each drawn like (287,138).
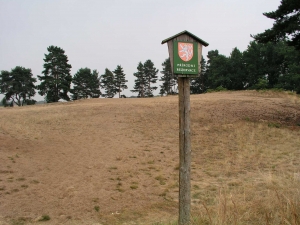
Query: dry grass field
(115,161)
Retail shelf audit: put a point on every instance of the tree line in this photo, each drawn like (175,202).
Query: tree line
(19,88)
(18,85)
(271,60)
(260,66)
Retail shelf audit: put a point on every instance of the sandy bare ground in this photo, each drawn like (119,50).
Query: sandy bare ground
(115,161)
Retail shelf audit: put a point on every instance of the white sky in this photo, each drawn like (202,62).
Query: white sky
(102,34)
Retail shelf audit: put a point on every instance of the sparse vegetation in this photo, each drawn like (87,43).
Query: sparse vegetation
(134,186)
(34,182)
(97,208)
(44,218)
(244,170)
(161,179)
(276,125)
(18,222)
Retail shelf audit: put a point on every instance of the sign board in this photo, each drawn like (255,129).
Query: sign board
(185,56)
(185,51)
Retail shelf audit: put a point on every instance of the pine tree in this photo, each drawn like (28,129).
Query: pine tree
(140,81)
(150,73)
(120,81)
(264,64)
(286,25)
(17,86)
(107,82)
(86,84)
(255,68)
(217,70)
(237,70)
(199,84)
(55,83)
(168,79)
(289,79)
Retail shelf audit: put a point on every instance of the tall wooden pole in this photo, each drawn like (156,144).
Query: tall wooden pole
(184,151)
(186,66)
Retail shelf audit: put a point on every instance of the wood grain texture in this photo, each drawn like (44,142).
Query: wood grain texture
(184,151)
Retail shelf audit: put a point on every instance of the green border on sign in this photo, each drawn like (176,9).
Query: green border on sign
(183,67)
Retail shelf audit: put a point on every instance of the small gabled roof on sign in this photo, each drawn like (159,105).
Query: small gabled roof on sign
(188,33)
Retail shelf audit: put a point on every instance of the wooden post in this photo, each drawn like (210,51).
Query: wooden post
(185,65)
(184,151)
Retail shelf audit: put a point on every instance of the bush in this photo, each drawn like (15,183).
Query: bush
(261,84)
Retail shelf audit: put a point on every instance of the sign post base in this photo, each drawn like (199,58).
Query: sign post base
(184,151)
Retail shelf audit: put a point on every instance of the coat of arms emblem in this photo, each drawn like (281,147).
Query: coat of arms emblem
(185,51)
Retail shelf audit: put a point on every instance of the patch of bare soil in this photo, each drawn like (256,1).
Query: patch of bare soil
(115,161)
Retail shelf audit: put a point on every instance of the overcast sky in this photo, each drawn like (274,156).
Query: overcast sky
(102,34)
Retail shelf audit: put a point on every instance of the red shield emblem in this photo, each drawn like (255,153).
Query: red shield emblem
(185,51)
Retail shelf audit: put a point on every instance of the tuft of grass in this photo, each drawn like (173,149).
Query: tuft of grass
(247,119)
(119,158)
(97,208)
(195,186)
(119,189)
(276,125)
(95,199)
(113,168)
(119,185)
(34,182)
(18,222)
(134,186)
(161,179)
(44,218)
(176,167)
(196,195)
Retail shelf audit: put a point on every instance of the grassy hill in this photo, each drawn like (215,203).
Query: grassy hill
(115,161)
